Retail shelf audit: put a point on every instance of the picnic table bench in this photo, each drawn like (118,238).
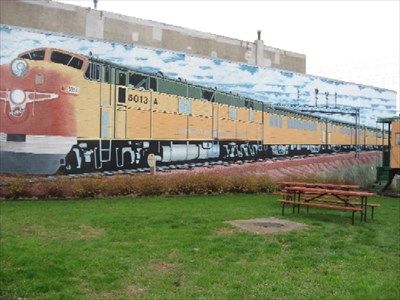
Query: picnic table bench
(339,199)
(346,187)
(297,204)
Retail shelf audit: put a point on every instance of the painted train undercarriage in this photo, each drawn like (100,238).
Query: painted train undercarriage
(111,155)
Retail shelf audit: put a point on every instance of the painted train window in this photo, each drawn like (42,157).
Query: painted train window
(275,121)
(121,78)
(249,104)
(153,84)
(122,95)
(106,73)
(66,59)
(347,131)
(138,80)
(251,115)
(34,55)
(93,71)
(232,113)
(301,125)
(208,95)
(185,106)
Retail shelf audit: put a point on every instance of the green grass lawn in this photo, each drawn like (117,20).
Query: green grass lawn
(180,247)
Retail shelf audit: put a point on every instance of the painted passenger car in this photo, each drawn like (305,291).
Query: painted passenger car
(65,111)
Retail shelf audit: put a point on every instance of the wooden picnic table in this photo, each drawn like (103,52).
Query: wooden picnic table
(321,185)
(344,196)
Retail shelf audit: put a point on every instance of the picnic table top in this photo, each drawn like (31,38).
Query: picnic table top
(329,191)
(321,185)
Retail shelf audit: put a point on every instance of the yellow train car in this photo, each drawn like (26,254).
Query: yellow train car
(395,144)
(63,111)
(391,151)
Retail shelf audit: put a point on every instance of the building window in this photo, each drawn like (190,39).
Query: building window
(398,138)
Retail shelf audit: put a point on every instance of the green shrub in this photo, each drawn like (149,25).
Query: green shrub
(140,185)
(150,185)
(17,188)
(88,187)
(52,189)
(120,186)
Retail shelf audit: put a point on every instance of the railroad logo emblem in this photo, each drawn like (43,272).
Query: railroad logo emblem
(18,99)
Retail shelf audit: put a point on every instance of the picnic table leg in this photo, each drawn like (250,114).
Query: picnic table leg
(365,208)
(372,212)
(352,217)
(362,207)
(294,201)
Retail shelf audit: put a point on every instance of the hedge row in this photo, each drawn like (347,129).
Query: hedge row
(141,185)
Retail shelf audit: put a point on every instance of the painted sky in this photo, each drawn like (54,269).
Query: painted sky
(355,41)
(266,84)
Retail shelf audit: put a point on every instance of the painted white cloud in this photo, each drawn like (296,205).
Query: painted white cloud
(265,84)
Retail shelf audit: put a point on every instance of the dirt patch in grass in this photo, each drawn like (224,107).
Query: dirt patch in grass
(85,232)
(105,295)
(267,226)
(163,266)
(228,230)
(134,290)
(130,292)
(88,232)
(31,230)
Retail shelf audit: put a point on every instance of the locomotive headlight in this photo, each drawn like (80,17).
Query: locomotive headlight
(19,67)
(17,96)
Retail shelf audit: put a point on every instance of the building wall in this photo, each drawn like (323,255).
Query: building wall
(75,20)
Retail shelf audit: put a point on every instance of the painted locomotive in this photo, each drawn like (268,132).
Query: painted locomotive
(62,111)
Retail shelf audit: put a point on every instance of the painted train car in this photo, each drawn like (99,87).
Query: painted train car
(62,111)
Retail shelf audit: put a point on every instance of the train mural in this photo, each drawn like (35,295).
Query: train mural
(66,109)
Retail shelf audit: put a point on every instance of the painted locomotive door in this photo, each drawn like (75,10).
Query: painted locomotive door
(120,105)
(120,114)
(106,107)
